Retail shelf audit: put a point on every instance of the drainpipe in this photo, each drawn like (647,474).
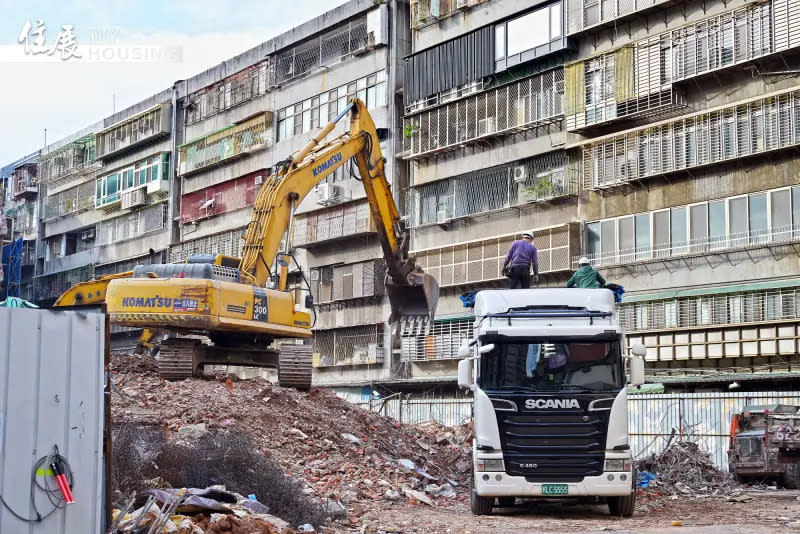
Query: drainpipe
(174,188)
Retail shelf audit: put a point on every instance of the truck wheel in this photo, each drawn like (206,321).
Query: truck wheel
(479,505)
(622,506)
(506,502)
(791,477)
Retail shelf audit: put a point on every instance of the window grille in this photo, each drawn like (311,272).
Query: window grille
(441,343)
(236,140)
(355,345)
(132,225)
(531,103)
(333,223)
(73,200)
(227,243)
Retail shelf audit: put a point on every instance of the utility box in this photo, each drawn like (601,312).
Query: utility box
(52,384)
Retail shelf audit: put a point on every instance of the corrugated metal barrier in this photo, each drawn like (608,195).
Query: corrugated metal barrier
(701,417)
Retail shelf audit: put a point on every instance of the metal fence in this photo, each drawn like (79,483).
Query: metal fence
(530,103)
(132,225)
(702,417)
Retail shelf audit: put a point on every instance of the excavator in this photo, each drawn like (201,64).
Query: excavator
(222,310)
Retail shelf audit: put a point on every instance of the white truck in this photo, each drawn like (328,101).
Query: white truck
(547,369)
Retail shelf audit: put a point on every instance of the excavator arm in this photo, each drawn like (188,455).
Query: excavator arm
(413,295)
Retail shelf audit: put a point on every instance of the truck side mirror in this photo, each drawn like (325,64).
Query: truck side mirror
(486,348)
(464,349)
(637,371)
(465,374)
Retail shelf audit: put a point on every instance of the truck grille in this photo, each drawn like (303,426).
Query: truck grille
(554,446)
(751,446)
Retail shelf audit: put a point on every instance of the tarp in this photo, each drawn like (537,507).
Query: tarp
(12,269)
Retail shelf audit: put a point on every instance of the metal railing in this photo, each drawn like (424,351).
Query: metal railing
(72,200)
(538,179)
(229,243)
(133,131)
(333,223)
(695,247)
(531,103)
(426,12)
(725,309)
(233,141)
(482,260)
(441,343)
(52,286)
(132,225)
(343,282)
(236,89)
(584,14)
(57,167)
(750,128)
(323,50)
(355,345)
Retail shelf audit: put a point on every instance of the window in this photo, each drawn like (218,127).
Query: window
(781,214)
(661,233)
(671,313)
(317,111)
(735,307)
(716,224)
(773,306)
(528,31)
(796,211)
(593,239)
(626,239)
(737,221)
(642,316)
(698,227)
(758,225)
(643,236)
(703,311)
(136,175)
(678,230)
(608,243)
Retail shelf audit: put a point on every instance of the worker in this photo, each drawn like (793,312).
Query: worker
(520,258)
(586,276)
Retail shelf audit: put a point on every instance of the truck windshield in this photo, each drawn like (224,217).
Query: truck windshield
(547,366)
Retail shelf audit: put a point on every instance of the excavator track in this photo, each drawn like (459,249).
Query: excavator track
(294,369)
(176,358)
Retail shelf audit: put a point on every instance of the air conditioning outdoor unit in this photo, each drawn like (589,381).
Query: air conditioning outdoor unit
(135,198)
(520,173)
(487,126)
(329,194)
(88,235)
(258,180)
(441,216)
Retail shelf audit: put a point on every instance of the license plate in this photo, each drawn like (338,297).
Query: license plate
(554,489)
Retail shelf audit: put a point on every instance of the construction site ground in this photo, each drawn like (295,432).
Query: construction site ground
(369,473)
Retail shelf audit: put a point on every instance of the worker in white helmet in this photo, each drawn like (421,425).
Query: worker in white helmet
(586,276)
(522,257)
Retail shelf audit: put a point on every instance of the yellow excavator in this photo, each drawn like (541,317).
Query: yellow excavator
(233,310)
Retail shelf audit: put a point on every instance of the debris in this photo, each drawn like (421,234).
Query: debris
(644,478)
(351,438)
(408,464)
(299,433)
(418,496)
(677,524)
(391,495)
(193,431)
(682,468)
(741,498)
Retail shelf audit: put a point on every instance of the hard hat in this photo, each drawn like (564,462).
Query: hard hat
(584,261)
(527,234)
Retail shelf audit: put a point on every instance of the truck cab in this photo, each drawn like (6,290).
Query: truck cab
(547,369)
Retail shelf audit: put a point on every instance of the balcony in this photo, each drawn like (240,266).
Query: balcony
(333,224)
(536,180)
(747,129)
(228,243)
(472,262)
(222,198)
(50,287)
(26,183)
(134,185)
(441,343)
(585,14)
(69,262)
(356,345)
(346,282)
(133,225)
(642,79)
(229,92)
(427,12)
(126,135)
(73,200)
(225,145)
(65,164)
(744,320)
(532,103)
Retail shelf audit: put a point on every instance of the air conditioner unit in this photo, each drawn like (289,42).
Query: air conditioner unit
(258,180)
(135,198)
(487,126)
(88,235)
(520,173)
(329,194)
(158,188)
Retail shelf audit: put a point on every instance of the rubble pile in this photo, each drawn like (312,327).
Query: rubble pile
(683,469)
(345,456)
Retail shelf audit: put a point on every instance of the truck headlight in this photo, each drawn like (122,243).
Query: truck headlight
(490,465)
(618,465)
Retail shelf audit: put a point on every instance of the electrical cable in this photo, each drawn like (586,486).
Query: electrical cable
(308,287)
(53,494)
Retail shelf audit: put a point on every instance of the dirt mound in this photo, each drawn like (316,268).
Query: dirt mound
(339,451)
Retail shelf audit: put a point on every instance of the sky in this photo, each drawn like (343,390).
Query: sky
(40,91)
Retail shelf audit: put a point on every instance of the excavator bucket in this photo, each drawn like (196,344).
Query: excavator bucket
(414,305)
